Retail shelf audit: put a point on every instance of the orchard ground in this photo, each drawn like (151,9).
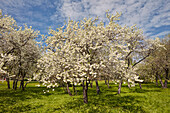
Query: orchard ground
(149,99)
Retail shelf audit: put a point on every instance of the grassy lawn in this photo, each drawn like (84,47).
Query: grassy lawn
(150,99)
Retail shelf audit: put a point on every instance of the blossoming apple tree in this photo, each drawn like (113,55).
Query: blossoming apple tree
(84,50)
(18,48)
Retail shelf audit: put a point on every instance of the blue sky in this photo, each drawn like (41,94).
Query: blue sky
(152,16)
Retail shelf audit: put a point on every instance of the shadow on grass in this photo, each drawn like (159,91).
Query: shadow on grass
(107,101)
(153,85)
(138,90)
(102,102)
(10,96)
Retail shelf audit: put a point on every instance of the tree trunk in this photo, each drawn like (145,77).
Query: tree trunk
(64,87)
(16,82)
(87,85)
(91,84)
(97,87)
(165,83)
(68,90)
(25,84)
(160,81)
(120,85)
(22,81)
(140,85)
(8,82)
(22,84)
(85,97)
(74,90)
(105,80)
(108,83)
(166,78)
(156,80)
(129,85)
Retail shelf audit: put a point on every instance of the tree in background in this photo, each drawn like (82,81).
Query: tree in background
(157,66)
(20,44)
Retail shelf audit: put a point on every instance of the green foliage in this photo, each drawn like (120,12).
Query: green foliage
(150,99)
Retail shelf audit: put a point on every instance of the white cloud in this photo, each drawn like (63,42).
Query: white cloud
(150,15)
(160,34)
(145,13)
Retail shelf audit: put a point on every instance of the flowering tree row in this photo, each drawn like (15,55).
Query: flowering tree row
(83,51)
(77,53)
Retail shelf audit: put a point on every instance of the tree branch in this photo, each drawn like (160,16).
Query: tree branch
(141,60)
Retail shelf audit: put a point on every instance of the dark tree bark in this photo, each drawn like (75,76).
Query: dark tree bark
(160,80)
(85,97)
(22,84)
(64,87)
(87,85)
(97,87)
(91,84)
(22,81)
(141,60)
(14,84)
(68,90)
(105,80)
(25,85)
(166,78)
(120,85)
(23,74)
(15,81)
(140,85)
(108,83)
(8,82)
(156,80)
(165,83)
(74,90)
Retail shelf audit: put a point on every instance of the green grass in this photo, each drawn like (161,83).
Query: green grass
(150,99)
